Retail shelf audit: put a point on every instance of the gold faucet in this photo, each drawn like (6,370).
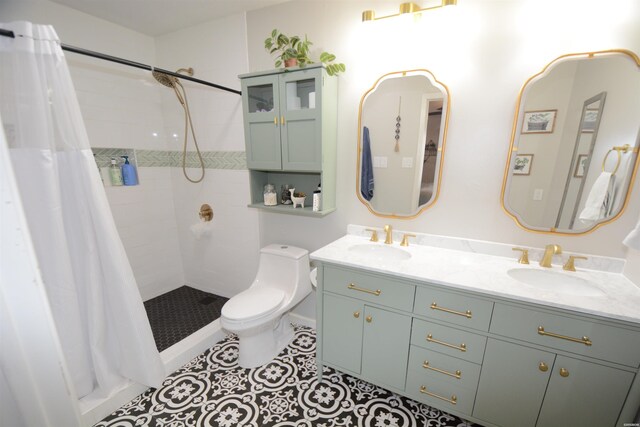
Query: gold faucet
(389,239)
(549,252)
(570,264)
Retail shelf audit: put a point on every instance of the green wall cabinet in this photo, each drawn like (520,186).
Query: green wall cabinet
(491,360)
(290,133)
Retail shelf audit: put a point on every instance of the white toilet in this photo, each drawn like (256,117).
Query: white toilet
(260,315)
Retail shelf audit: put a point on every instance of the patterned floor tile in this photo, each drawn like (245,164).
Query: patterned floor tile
(212,390)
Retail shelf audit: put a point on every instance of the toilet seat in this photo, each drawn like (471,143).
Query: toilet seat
(253,303)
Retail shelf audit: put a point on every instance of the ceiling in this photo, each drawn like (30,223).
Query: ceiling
(157,17)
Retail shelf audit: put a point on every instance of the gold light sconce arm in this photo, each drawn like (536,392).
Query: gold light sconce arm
(406,8)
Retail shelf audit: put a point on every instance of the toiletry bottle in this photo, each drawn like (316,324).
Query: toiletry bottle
(115,175)
(317,199)
(129,176)
(270,196)
(98,166)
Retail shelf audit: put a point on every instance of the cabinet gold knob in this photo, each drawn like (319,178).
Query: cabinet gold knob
(369,319)
(564,373)
(543,367)
(356,314)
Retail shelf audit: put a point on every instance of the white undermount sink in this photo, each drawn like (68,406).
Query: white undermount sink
(380,252)
(553,281)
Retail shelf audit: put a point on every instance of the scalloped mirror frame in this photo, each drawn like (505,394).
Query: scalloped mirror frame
(507,169)
(441,148)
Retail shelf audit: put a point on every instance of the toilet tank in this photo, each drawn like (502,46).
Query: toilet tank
(284,267)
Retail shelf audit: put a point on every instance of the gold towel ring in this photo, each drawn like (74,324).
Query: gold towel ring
(619,150)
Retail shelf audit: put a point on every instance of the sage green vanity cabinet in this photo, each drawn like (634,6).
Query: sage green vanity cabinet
(290,133)
(366,340)
(491,360)
(582,393)
(512,384)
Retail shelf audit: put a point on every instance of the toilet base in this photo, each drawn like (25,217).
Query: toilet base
(260,348)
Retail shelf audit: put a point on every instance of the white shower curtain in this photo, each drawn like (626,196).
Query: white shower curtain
(98,311)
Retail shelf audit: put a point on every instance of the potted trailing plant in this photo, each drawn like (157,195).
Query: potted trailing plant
(294,50)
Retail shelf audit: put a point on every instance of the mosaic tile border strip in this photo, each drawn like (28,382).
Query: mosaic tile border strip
(231,160)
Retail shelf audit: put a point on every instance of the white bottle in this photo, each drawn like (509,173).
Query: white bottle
(317,199)
(115,174)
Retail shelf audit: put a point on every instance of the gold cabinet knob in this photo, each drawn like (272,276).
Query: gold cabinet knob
(356,314)
(369,319)
(564,373)
(543,367)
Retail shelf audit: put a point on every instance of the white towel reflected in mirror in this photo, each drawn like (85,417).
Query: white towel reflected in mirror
(600,200)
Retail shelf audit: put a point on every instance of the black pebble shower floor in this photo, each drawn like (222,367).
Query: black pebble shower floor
(179,313)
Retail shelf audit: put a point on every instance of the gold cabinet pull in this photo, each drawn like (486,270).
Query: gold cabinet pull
(456,374)
(543,367)
(466,314)
(282,120)
(356,314)
(453,400)
(275,120)
(583,340)
(377,292)
(564,373)
(369,319)
(461,347)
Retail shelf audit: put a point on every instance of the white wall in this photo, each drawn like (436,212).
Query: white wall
(484,51)
(121,107)
(224,262)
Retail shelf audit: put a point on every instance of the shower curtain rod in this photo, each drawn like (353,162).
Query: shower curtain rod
(81,51)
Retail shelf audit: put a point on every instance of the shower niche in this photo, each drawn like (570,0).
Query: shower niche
(103,158)
(290,134)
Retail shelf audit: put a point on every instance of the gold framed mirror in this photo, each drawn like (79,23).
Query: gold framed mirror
(573,155)
(402,131)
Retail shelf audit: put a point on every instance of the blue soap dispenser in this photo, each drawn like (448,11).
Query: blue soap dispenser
(129,175)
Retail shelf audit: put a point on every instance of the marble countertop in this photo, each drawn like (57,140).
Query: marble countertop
(487,274)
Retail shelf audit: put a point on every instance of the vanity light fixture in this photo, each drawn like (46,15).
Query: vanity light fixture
(410,7)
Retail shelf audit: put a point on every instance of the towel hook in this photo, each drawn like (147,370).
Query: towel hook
(619,150)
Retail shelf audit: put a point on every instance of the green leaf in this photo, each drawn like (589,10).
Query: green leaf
(278,63)
(274,33)
(327,57)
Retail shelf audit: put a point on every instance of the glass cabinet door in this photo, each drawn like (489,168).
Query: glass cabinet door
(300,99)
(262,122)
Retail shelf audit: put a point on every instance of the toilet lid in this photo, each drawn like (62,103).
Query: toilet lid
(252,303)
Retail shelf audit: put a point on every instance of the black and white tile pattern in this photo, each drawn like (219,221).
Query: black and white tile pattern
(212,390)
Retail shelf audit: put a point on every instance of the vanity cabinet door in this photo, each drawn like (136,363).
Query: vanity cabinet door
(512,384)
(342,320)
(582,393)
(262,122)
(385,349)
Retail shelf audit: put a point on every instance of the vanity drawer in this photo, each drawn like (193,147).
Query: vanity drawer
(449,341)
(369,287)
(453,308)
(601,341)
(440,394)
(427,364)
